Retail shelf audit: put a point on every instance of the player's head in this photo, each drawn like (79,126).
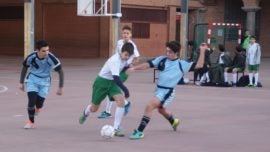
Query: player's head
(221,48)
(238,49)
(252,39)
(127,51)
(247,33)
(126,33)
(42,48)
(172,49)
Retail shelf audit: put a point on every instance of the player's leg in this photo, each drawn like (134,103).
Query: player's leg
(151,106)
(169,116)
(119,114)
(32,97)
(107,112)
(226,69)
(100,91)
(250,75)
(43,92)
(109,102)
(256,74)
(39,104)
(123,78)
(166,100)
(91,108)
(234,75)
(32,92)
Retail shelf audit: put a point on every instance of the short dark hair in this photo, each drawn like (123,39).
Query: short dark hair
(126,27)
(253,36)
(191,43)
(128,47)
(239,48)
(174,46)
(221,47)
(41,43)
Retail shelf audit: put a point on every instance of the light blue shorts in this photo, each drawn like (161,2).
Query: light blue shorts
(39,85)
(165,96)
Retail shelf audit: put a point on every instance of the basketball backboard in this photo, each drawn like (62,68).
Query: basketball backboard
(94,8)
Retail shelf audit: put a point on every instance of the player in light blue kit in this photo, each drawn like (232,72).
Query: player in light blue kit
(38,81)
(171,70)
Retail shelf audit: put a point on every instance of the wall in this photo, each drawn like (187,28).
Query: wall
(265,30)
(12,32)
(68,34)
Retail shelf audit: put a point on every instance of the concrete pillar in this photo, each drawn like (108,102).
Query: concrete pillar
(172,23)
(251,7)
(184,28)
(29,27)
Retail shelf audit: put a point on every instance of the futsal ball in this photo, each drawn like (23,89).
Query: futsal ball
(107,131)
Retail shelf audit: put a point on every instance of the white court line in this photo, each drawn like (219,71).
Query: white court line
(19,115)
(3,88)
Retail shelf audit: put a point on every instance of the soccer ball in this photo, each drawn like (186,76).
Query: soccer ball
(107,131)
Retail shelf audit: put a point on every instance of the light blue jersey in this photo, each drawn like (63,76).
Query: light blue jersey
(170,73)
(39,76)
(41,67)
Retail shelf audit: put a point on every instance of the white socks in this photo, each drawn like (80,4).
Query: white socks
(87,110)
(226,76)
(108,106)
(256,75)
(126,102)
(119,113)
(250,76)
(205,77)
(234,76)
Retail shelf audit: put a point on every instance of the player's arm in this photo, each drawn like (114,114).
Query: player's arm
(135,61)
(201,60)
(117,80)
(22,77)
(142,66)
(60,72)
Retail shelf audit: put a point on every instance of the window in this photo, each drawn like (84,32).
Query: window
(141,30)
(11,12)
(144,15)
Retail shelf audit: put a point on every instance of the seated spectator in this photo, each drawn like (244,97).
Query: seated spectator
(238,65)
(216,71)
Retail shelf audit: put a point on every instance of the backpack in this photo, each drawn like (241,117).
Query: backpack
(243,81)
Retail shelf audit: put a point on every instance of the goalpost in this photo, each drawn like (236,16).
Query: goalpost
(228,34)
(221,32)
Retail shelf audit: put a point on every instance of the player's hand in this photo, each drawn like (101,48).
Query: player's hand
(130,70)
(21,87)
(59,91)
(126,95)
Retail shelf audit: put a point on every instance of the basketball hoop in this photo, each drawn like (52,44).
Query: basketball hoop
(94,8)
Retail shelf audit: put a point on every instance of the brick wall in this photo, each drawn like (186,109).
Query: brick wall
(215,13)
